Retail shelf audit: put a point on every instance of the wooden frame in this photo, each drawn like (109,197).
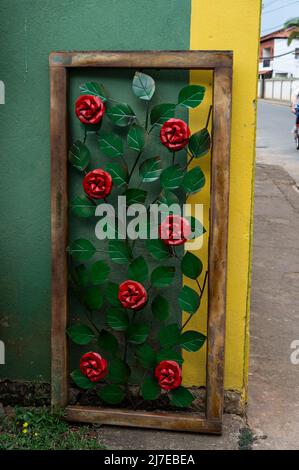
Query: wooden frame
(221,64)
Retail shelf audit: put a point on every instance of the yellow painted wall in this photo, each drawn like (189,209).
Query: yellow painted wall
(230,25)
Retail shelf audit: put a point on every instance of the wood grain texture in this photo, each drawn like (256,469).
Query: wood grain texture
(146,59)
(59,224)
(221,63)
(145,419)
(222,95)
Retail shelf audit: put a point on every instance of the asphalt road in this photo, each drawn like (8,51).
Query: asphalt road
(275,142)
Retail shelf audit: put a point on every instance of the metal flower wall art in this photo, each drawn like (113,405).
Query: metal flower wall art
(116,336)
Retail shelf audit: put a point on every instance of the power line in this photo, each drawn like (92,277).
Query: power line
(276,27)
(271,3)
(276,56)
(273,27)
(279,8)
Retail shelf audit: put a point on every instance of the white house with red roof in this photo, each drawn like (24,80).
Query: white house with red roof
(277,59)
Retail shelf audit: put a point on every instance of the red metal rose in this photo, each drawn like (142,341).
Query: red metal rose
(89,109)
(94,366)
(168,374)
(174,134)
(174,230)
(132,295)
(97,184)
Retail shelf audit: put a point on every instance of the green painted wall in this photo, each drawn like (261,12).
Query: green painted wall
(29,31)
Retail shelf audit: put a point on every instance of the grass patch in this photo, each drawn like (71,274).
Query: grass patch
(38,429)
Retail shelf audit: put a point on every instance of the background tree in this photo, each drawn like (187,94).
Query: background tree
(294,22)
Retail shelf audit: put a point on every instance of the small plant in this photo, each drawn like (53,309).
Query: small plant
(38,429)
(245,439)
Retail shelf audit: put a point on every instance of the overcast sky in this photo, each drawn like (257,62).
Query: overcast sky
(276,12)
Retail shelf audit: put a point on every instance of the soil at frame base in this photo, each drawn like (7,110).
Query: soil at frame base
(38,394)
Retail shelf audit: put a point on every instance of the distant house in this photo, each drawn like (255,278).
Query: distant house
(277,59)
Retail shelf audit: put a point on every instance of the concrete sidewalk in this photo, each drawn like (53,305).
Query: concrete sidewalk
(274,380)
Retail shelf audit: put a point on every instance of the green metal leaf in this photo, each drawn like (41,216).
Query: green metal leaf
(138,270)
(119,251)
(81,380)
(136,138)
(112,394)
(160,308)
(121,114)
(162,276)
(189,300)
(82,207)
(181,397)
(81,334)
(194,180)
(81,249)
(150,389)
(157,249)
(172,177)
(82,275)
(117,318)
(150,170)
(118,172)
(111,293)
(168,198)
(169,354)
(99,272)
(137,334)
(169,336)
(111,145)
(191,96)
(162,112)
(192,340)
(79,155)
(191,265)
(135,196)
(118,371)
(95,89)
(200,143)
(93,298)
(143,86)
(146,355)
(108,342)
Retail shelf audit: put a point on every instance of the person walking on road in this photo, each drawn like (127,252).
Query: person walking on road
(295,110)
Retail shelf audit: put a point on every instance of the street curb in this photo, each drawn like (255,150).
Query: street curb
(281,103)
